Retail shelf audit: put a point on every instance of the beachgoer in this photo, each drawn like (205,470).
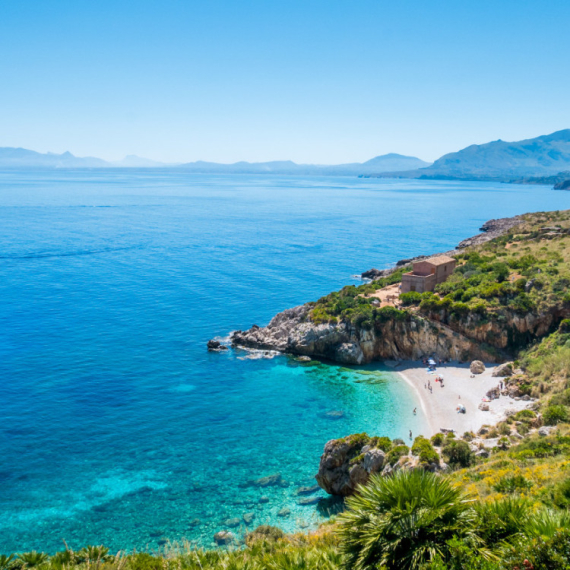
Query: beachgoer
(410,434)
(415,411)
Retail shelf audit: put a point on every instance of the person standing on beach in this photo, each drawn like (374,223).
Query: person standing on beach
(415,411)
(410,434)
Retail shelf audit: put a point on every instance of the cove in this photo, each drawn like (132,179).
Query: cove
(118,426)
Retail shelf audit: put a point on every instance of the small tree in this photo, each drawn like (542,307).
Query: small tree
(457,453)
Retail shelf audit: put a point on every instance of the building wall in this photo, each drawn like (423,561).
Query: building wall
(442,272)
(423,268)
(419,283)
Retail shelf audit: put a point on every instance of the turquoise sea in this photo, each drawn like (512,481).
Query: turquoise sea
(117,426)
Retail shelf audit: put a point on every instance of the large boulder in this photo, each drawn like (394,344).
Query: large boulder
(503,370)
(493,393)
(347,463)
(477,367)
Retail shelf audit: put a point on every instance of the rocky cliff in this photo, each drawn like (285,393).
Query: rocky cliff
(413,337)
(444,328)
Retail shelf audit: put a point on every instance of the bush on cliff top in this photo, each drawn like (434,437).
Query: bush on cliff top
(457,453)
(395,453)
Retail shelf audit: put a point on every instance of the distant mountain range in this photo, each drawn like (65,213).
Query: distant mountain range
(23,158)
(384,163)
(542,156)
(539,160)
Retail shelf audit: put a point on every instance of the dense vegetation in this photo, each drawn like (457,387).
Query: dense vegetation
(504,511)
(523,272)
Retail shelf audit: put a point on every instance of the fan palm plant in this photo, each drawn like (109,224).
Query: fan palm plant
(33,559)
(502,520)
(404,521)
(546,523)
(5,561)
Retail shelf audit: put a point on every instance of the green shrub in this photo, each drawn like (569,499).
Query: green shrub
(437,439)
(145,561)
(411,298)
(554,415)
(383,443)
(564,326)
(457,453)
(525,415)
(512,484)
(504,429)
(561,398)
(561,494)
(501,520)
(264,533)
(395,453)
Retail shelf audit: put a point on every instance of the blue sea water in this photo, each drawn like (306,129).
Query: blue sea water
(117,426)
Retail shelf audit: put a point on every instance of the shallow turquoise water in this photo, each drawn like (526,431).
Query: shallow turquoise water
(117,426)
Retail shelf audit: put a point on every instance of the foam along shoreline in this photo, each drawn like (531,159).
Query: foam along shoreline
(440,405)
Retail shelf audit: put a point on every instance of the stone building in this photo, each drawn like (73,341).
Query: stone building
(426,274)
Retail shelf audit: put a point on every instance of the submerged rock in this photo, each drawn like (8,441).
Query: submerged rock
(307,490)
(308,501)
(232,523)
(334,414)
(264,499)
(224,538)
(248,518)
(285,512)
(270,481)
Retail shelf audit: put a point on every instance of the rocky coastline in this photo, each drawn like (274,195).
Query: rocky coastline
(292,331)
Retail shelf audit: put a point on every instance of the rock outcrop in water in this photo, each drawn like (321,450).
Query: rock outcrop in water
(347,463)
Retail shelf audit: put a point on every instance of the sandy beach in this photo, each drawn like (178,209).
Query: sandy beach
(440,405)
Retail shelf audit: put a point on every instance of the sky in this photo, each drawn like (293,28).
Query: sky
(310,81)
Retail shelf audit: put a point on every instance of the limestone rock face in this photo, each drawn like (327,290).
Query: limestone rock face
(347,463)
(292,331)
(477,367)
(503,370)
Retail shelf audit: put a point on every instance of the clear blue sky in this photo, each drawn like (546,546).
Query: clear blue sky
(311,81)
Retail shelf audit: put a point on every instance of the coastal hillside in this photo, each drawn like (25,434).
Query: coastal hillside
(542,156)
(504,294)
